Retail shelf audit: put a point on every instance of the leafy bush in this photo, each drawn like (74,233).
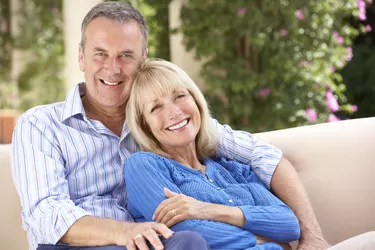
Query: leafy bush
(272,64)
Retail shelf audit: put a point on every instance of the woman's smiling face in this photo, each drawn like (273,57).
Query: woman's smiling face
(173,118)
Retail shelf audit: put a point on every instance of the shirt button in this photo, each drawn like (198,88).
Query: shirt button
(218,188)
(230,201)
(210,180)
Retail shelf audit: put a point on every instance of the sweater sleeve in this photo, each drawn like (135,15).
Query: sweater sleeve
(146,176)
(269,217)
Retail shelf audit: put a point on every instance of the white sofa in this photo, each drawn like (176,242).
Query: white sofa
(336,162)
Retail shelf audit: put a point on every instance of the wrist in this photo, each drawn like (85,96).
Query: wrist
(119,230)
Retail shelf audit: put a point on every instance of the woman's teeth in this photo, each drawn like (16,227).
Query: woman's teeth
(178,126)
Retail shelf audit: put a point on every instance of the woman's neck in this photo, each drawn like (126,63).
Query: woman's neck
(187,156)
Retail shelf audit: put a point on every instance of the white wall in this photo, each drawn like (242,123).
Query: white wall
(74,12)
(179,55)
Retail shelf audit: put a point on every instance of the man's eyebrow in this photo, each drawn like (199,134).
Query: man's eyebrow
(128,51)
(99,49)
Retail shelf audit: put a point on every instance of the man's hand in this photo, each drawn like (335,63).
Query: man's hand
(313,244)
(178,207)
(137,234)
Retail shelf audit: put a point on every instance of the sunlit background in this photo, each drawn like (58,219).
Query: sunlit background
(263,65)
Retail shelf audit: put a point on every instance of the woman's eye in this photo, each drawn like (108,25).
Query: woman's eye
(180,96)
(154,108)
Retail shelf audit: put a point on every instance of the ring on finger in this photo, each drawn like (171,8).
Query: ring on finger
(137,236)
(174,212)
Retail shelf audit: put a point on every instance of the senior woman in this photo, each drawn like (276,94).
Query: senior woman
(178,181)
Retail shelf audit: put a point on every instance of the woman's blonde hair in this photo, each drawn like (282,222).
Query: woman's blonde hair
(164,77)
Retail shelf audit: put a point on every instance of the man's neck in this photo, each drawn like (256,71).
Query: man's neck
(112,118)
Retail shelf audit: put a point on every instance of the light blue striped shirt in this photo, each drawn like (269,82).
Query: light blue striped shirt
(66,166)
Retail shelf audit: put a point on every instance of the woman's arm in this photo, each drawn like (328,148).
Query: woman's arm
(146,177)
(269,217)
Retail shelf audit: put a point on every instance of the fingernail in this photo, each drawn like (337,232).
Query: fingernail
(153,217)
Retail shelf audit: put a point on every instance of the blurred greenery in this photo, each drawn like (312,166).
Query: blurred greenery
(41,46)
(359,74)
(265,62)
(287,48)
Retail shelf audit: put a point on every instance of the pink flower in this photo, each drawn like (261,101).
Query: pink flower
(354,108)
(300,15)
(332,69)
(349,54)
(264,92)
(311,115)
(339,39)
(284,32)
(332,118)
(368,28)
(331,101)
(241,11)
(361,10)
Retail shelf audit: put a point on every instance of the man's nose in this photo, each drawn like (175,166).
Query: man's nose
(113,66)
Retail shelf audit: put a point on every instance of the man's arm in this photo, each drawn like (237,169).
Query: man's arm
(94,231)
(264,159)
(39,176)
(287,185)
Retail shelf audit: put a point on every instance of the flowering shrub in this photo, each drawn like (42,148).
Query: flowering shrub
(273,64)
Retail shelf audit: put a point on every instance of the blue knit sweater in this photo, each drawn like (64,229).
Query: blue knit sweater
(226,182)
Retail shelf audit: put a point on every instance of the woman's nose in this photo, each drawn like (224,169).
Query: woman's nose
(174,111)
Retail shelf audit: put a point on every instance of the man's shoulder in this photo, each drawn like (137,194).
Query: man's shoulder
(42,113)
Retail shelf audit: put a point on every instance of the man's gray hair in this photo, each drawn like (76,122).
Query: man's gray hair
(116,11)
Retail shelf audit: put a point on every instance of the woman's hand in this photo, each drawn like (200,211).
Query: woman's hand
(178,207)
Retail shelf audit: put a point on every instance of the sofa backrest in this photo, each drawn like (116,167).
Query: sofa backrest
(12,236)
(336,162)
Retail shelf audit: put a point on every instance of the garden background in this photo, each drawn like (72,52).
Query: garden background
(262,64)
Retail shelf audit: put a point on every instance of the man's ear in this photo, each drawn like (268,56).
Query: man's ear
(145,54)
(81,59)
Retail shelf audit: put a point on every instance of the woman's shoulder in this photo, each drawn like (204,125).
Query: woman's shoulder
(232,166)
(145,157)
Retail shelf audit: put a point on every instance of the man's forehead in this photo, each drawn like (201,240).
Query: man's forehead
(101,28)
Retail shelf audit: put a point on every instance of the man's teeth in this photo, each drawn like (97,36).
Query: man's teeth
(177,126)
(111,83)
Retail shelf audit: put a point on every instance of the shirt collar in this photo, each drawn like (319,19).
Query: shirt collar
(73,103)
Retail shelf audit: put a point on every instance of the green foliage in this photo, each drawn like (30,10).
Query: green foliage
(42,46)
(156,15)
(6,87)
(359,76)
(251,47)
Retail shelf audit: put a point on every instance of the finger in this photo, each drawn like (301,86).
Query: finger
(130,245)
(154,239)
(163,230)
(164,208)
(161,207)
(140,242)
(167,213)
(176,219)
(169,193)
(168,216)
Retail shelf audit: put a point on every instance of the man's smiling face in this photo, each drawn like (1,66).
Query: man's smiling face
(109,59)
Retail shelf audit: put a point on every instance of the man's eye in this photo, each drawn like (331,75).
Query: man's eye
(100,54)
